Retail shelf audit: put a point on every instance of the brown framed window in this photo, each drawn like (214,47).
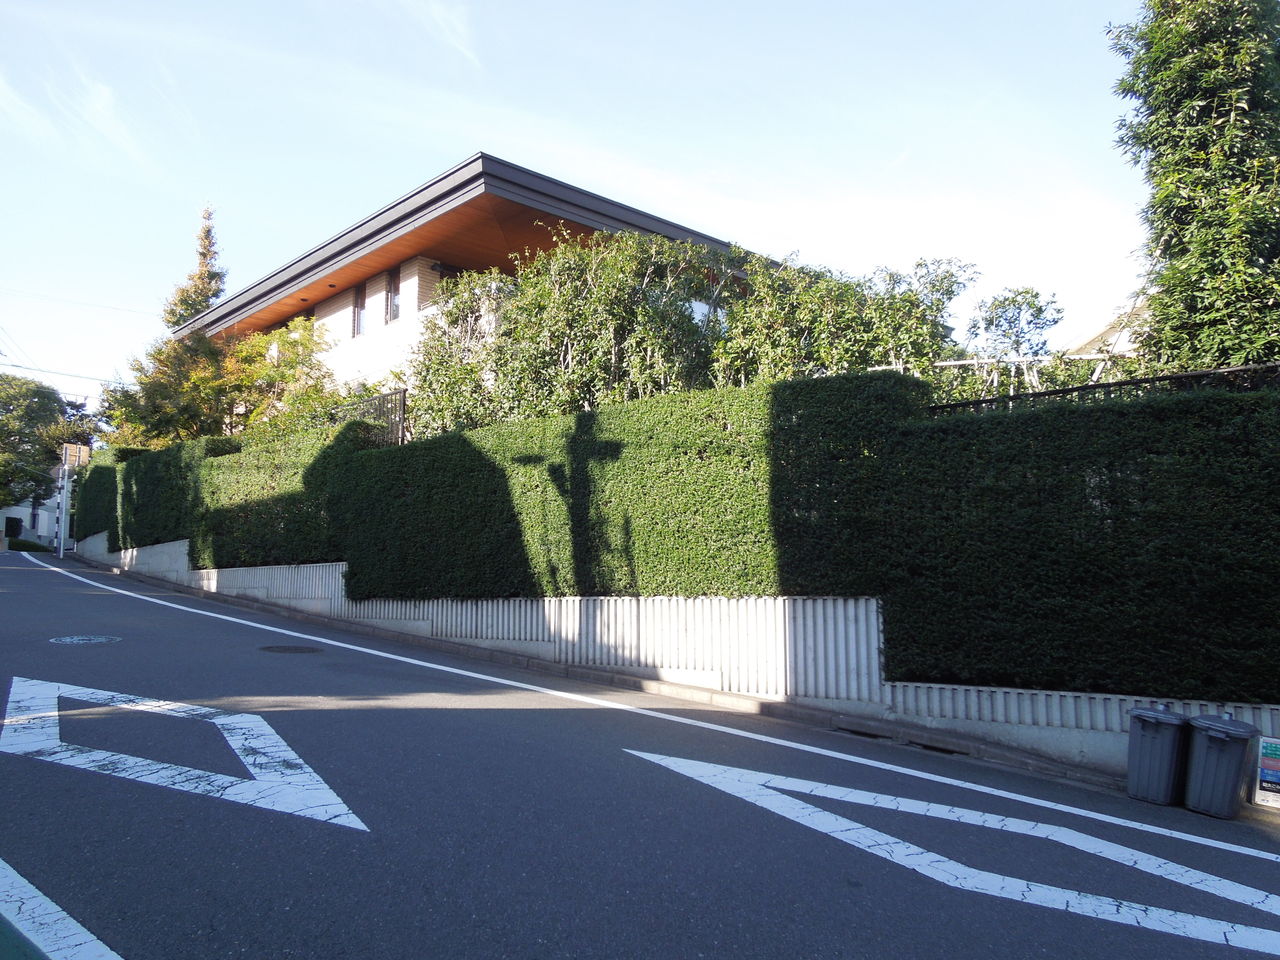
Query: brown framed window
(393,294)
(357,311)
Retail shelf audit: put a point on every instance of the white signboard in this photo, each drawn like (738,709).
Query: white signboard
(1266,788)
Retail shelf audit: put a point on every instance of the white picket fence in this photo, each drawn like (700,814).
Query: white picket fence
(812,650)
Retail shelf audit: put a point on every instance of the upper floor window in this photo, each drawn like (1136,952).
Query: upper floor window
(393,294)
(357,313)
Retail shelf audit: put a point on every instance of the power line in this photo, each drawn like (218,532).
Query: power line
(16,345)
(77,303)
(61,373)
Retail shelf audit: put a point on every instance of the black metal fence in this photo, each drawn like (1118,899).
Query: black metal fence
(386,410)
(1260,376)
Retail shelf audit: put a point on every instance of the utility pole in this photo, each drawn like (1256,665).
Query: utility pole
(73,455)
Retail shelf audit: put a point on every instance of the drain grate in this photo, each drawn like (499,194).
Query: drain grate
(84,639)
(290,648)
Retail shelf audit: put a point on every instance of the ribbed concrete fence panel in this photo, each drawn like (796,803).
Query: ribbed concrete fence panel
(824,650)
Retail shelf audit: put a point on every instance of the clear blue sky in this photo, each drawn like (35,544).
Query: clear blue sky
(854,134)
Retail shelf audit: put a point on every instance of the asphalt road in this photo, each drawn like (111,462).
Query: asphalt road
(180,789)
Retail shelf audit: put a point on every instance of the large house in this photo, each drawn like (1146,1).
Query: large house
(367,286)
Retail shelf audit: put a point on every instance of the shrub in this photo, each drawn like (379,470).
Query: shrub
(28,546)
(268,504)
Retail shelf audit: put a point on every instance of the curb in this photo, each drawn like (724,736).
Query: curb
(899,732)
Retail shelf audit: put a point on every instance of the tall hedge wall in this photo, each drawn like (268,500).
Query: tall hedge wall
(159,490)
(1122,547)
(1126,547)
(97,498)
(666,496)
(267,504)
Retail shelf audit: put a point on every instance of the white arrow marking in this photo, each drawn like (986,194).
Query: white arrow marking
(762,790)
(44,923)
(279,779)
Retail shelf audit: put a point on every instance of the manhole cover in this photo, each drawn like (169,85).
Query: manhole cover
(84,639)
(290,648)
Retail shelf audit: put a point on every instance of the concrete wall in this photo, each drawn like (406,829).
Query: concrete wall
(817,651)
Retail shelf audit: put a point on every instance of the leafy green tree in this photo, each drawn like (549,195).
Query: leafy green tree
(790,321)
(608,318)
(1204,76)
(1013,324)
(200,387)
(180,394)
(34,423)
(617,317)
(452,365)
(595,320)
(204,285)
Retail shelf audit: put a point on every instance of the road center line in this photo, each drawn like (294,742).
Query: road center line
(701,724)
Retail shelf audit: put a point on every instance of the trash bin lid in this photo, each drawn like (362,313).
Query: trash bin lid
(1157,715)
(1225,726)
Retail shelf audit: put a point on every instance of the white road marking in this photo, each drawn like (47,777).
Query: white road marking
(46,924)
(691,722)
(279,779)
(762,789)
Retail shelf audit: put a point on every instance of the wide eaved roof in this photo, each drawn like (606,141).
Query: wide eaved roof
(472,216)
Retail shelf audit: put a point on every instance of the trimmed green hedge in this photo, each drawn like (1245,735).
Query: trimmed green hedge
(666,496)
(159,490)
(267,504)
(97,495)
(1128,547)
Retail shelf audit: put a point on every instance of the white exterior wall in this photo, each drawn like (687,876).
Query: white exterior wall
(46,520)
(819,651)
(381,347)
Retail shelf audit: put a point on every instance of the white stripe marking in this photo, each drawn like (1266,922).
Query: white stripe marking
(701,724)
(46,924)
(279,779)
(762,789)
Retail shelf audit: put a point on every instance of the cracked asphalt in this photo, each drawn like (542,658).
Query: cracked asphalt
(504,821)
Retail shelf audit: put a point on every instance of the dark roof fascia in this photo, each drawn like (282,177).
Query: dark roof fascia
(477,175)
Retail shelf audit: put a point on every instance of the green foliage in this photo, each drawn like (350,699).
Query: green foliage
(34,423)
(617,317)
(1013,324)
(1124,547)
(451,365)
(269,503)
(265,383)
(203,286)
(1204,76)
(28,546)
(25,408)
(160,492)
(595,320)
(827,446)
(98,497)
(180,395)
(666,496)
(790,321)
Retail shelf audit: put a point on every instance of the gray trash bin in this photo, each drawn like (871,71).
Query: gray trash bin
(1157,755)
(1218,764)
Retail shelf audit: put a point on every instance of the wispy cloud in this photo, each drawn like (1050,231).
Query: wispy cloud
(21,117)
(91,115)
(449,23)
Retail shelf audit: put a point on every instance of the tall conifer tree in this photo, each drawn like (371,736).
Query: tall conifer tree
(204,285)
